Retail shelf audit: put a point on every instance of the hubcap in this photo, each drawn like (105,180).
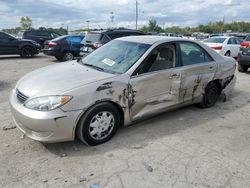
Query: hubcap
(27,52)
(101,125)
(68,56)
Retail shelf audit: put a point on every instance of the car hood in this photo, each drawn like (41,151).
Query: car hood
(59,78)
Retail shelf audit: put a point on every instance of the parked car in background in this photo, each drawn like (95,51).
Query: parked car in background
(11,45)
(244,59)
(246,42)
(96,39)
(126,80)
(64,48)
(224,45)
(168,34)
(40,36)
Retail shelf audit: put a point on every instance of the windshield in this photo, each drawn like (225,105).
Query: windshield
(116,56)
(20,34)
(215,40)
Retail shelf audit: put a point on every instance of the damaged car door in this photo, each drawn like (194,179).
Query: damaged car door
(155,84)
(198,69)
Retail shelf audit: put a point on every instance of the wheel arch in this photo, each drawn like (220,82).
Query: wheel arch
(26,45)
(116,105)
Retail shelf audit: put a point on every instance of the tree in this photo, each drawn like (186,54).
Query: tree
(25,22)
(152,27)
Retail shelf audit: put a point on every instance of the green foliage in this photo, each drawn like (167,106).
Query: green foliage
(60,30)
(26,22)
(152,27)
(211,27)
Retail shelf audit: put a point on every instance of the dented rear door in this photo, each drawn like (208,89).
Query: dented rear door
(153,92)
(198,68)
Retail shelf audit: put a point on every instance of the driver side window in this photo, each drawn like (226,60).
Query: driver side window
(160,58)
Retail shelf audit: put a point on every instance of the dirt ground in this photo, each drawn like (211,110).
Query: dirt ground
(188,147)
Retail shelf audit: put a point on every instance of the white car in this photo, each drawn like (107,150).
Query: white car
(224,45)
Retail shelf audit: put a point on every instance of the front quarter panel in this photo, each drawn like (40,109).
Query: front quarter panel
(114,89)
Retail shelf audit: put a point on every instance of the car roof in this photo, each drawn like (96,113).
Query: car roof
(226,37)
(151,39)
(116,31)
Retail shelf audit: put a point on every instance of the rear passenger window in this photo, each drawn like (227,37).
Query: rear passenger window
(75,39)
(231,41)
(193,54)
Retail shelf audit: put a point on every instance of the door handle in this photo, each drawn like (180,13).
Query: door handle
(174,76)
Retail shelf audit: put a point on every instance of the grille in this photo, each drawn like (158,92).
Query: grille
(21,97)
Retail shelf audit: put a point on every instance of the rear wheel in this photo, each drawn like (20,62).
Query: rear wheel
(211,95)
(99,124)
(227,53)
(242,68)
(67,56)
(27,52)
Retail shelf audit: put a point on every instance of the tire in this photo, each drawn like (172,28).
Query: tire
(227,53)
(67,56)
(211,95)
(99,124)
(242,68)
(58,58)
(27,52)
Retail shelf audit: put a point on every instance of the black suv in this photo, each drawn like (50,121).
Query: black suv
(11,45)
(40,36)
(96,39)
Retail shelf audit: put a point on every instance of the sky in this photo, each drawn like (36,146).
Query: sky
(77,14)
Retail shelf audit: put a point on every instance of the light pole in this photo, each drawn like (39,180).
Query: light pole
(88,24)
(112,18)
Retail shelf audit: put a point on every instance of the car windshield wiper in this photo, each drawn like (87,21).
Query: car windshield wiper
(93,66)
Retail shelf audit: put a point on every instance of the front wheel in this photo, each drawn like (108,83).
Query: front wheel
(211,95)
(27,52)
(99,124)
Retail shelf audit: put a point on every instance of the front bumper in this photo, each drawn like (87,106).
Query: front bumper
(49,126)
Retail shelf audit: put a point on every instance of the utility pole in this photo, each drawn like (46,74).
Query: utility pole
(136,14)
(88,24)
(112,19)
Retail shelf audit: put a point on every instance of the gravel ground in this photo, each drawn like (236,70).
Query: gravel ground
(188,147)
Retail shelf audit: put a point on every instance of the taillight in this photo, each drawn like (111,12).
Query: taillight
(217,47)
(245,44)
(97,45)
(51,44)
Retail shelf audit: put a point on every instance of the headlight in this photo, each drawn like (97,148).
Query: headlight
(47,103)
